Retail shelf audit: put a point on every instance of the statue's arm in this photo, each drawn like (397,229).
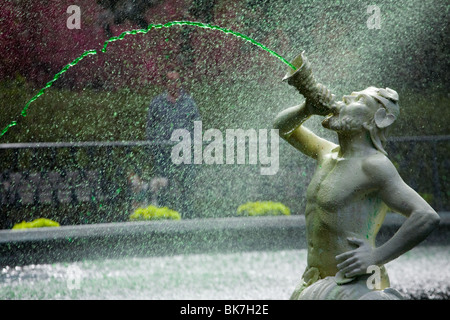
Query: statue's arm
(289,123)
(421,218)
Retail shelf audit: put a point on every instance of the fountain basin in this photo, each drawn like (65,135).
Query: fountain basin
(150,238)
(156,238)
(225,258)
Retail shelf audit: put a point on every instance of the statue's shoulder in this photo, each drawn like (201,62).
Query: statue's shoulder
(379,167)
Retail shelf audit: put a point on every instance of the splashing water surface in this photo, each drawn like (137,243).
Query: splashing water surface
(237,276)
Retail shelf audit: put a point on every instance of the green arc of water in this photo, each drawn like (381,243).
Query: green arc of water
(49,84)
(200,25)
(143,31)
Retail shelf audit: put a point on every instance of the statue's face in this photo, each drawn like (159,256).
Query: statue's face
(351,113)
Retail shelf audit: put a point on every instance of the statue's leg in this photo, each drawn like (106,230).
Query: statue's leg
(310,276)
(298,290)
(328,289)
(386,294)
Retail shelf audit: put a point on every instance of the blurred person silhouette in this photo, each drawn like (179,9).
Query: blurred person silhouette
(173,109)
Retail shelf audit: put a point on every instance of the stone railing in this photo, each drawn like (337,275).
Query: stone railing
(95,175)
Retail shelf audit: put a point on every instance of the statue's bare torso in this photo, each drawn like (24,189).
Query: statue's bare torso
(337,211)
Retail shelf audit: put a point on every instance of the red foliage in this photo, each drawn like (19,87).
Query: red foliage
(36,43)
(14,39)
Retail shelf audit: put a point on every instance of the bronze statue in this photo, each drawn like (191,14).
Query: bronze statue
(352,189)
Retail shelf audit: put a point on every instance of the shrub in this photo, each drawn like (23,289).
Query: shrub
(263,208)
(38,223)
(154,213)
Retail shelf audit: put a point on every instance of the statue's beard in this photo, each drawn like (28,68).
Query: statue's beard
(341,123)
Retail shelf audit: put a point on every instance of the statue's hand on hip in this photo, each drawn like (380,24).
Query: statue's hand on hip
(355,262)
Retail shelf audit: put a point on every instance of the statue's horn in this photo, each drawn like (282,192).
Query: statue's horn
(303,80)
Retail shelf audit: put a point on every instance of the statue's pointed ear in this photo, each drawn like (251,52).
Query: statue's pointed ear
(383,120)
